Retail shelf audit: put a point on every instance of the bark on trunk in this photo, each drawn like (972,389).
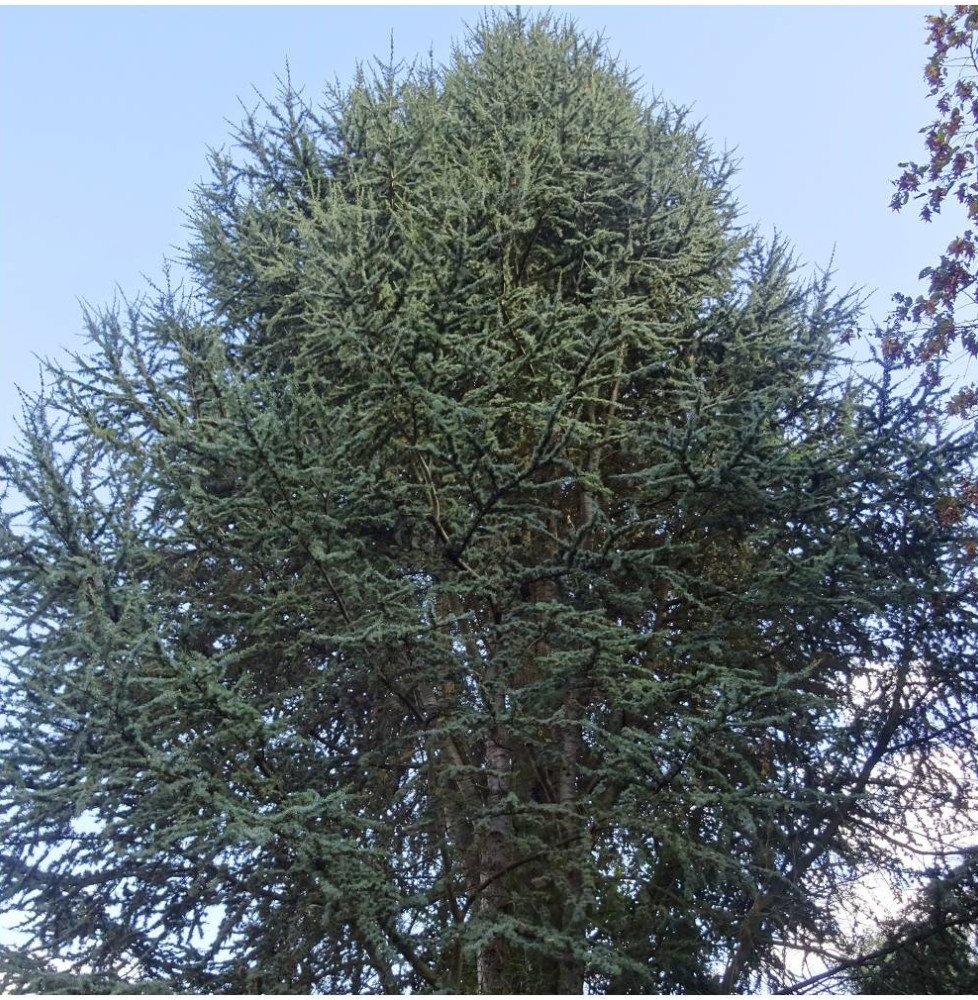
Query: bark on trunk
(570,976)
(490,964)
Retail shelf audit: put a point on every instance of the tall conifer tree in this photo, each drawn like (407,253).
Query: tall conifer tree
(490,578)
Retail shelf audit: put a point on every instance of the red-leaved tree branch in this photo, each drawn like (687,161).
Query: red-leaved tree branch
(927,327)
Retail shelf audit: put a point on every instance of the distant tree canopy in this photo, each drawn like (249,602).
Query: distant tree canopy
(488,577)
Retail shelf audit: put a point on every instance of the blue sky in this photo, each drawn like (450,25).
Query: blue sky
(106,115)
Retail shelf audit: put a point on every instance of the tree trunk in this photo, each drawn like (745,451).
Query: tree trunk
(570,976)
(493,858)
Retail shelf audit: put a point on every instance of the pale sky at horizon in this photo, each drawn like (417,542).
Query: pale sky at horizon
(106,115)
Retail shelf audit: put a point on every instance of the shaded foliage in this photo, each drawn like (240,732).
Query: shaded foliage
(934,947)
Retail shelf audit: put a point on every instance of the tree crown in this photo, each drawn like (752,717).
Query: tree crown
(490,576)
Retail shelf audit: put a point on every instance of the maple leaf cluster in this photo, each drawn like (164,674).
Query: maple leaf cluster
(927,327)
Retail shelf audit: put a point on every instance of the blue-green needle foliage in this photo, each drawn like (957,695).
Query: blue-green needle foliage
(487,578)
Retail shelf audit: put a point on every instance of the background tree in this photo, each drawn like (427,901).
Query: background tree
(931,947)
(928,327)
(489,577)
(934,948)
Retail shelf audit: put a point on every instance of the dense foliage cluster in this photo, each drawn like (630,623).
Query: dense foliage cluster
(490,578)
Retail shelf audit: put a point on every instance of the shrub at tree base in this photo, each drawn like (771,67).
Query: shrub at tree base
(489,579)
